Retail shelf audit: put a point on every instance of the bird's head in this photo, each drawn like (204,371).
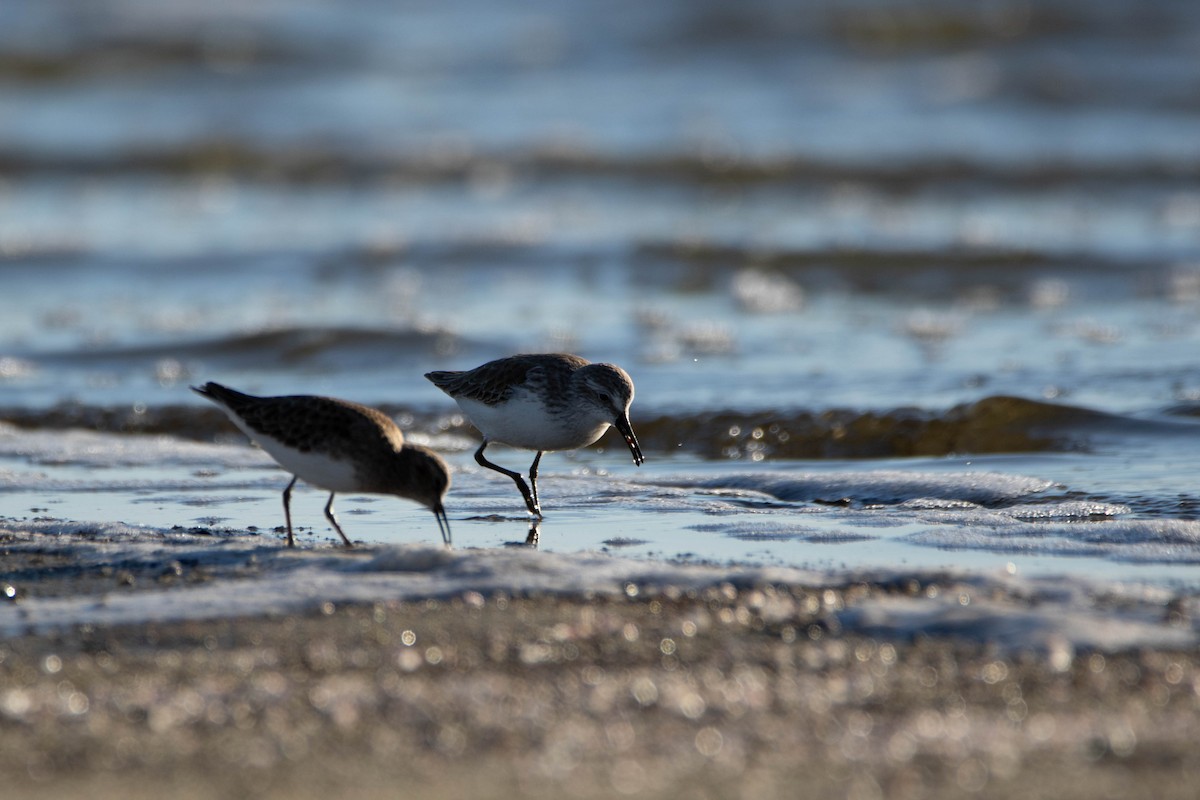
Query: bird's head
(611,389)
(425,478)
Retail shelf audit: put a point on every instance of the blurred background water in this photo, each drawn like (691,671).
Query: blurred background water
(827,239)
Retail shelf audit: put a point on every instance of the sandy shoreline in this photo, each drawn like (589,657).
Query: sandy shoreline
(545,696)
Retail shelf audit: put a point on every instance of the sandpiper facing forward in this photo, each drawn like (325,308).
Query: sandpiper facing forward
(337,446)
(542,402)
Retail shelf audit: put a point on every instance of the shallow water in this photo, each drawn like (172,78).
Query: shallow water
(900,285)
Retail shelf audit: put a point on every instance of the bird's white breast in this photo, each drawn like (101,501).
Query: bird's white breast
(524,421)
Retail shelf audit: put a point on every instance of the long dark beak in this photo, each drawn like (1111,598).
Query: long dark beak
(439,512)
(626,430)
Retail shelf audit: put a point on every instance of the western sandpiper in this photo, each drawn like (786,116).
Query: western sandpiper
(337,446)
(544,403)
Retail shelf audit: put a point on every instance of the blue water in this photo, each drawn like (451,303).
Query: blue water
(761,211)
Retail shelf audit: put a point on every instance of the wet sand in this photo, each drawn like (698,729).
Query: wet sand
(684,696)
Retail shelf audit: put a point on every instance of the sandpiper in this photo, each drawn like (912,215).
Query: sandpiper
(544,402)
(337,446)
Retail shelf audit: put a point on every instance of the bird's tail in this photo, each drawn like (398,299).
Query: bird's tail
(230,398)
(443,379)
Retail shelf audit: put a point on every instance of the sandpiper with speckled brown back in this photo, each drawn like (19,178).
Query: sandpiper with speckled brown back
(542,402)
(337,446)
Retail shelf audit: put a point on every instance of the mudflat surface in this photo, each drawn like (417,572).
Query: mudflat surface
(503,696)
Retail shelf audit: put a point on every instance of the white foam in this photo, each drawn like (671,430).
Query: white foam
(91,449)
(1131,540)
(1066,509)
(1052,615)
(876,486)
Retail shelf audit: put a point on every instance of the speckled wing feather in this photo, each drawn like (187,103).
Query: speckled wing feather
(493,382)
(307,422)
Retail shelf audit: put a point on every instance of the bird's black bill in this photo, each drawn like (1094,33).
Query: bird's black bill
(626,430)
(443,523)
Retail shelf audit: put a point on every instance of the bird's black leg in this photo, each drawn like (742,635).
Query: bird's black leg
(287,511)
(329,516)
(537,505)
(516,476)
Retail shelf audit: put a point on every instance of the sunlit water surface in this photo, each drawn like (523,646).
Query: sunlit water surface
(834,245)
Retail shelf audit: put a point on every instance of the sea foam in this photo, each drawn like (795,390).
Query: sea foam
(249,576)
